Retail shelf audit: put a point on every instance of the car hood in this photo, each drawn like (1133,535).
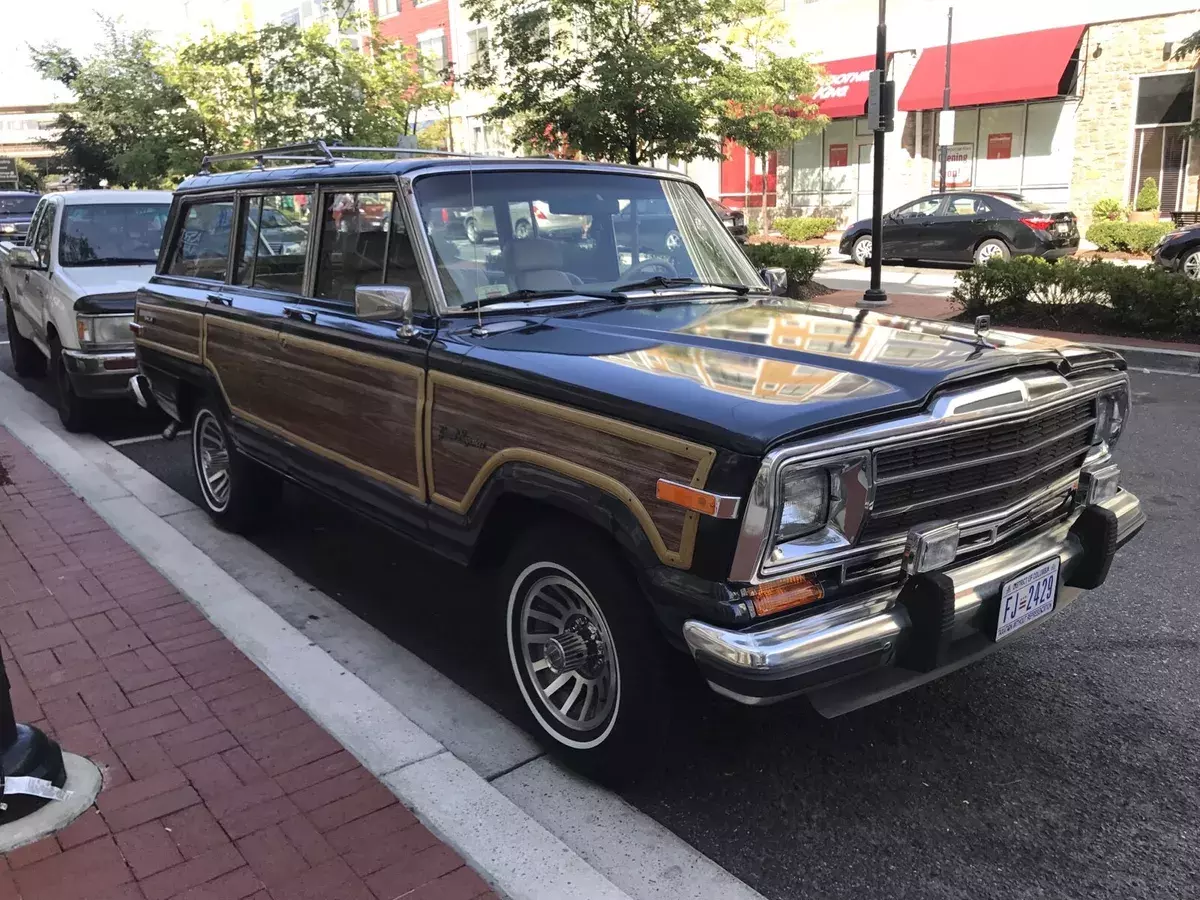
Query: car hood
(81,281)
(749,374)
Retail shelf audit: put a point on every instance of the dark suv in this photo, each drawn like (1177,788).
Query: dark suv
(653,451)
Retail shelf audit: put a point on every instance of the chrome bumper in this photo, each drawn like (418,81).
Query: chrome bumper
(805,654)
(79,362)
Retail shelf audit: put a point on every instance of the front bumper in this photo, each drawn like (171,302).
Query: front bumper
(887,642)
(98,376)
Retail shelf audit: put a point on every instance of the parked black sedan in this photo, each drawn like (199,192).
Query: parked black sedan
(967,227)
(1179,251)
(16,212)
(734,220)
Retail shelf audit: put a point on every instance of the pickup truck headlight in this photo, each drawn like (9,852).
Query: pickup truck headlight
(1112,415)
(8,229)
(104,329)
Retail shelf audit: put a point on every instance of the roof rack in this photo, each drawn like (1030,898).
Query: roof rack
(320,153)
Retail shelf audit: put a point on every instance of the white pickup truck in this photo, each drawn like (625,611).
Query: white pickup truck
(69,292)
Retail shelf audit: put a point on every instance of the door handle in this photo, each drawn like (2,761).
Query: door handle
(220,298)
(303,315)
(135,327)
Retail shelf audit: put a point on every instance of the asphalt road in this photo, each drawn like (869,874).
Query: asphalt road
(1066,765)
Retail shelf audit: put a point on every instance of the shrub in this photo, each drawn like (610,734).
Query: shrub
(1089,296)
(801,263)
(1108,209)
(1134,237)
(1147,198)
(804,228)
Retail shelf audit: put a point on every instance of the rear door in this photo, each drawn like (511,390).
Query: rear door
(345,394)
(960,225)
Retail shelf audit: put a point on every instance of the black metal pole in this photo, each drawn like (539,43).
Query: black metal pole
(24,752)
(875,295)
(944,148)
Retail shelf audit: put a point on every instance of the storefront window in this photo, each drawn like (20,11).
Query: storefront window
(1165,99)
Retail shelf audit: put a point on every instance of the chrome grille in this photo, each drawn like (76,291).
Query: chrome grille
(977,472)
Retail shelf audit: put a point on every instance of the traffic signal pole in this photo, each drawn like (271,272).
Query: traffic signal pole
(880,119)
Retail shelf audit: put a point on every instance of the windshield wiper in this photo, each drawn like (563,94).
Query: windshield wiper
(668,281)
(528,294)
(112,261)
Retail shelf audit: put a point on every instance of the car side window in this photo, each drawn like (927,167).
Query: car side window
(39,238)
(202,245)
(927,207)
(963,206)
(274,244)
(354,239)
(402,261)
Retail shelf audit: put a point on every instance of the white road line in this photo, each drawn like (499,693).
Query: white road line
(3,342)
(1165,372)
(145,438)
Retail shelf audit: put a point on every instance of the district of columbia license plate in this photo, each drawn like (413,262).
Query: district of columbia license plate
(1027,598)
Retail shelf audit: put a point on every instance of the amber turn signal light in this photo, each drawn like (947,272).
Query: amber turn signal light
(710,504)
(787,593)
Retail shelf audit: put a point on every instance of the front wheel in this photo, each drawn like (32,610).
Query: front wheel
(1191,265)
(522,229)
(861,252)
(584,652)
(73,411)
(237,492)
(472,231)
(993,248)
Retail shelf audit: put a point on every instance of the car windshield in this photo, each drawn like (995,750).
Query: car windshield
(15,206)
(112,234)
(535,232)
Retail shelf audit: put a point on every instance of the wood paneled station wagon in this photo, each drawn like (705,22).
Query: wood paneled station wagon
(657,454)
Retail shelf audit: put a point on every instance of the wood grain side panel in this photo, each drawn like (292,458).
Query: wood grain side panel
(174,331)
(354,408)
(473,429)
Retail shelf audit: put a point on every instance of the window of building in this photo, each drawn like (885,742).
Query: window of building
(388,7)
(1165,99)
(1161,146)
(424,2)
(431,47)
(476,46)
(202,247)
(274,233)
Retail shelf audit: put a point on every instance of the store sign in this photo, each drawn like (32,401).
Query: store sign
(945,127)
(8,171)
(839,155)
(960,166)
(999,146)
(838,86)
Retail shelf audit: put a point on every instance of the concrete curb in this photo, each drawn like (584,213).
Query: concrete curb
(518,856)
(83,781)
(1185,362)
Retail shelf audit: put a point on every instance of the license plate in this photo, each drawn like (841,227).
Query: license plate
(1061,228)
(1027,598)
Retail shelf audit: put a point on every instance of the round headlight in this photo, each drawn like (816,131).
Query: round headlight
(804,503)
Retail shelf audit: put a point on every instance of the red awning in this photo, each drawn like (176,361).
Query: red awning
(844,87)
(1005,69)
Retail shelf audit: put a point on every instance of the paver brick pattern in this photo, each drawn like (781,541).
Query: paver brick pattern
(216,785)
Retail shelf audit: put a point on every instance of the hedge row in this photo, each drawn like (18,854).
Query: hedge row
(1134,237)
(801,263)
(803,228)
(1085,296)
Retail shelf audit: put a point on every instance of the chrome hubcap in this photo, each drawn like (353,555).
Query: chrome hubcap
(1191,266)
(566,651)
(213,458)
(673,241)
(990,251)
(862,251)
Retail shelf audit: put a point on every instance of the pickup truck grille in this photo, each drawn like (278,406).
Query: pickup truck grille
(984,470)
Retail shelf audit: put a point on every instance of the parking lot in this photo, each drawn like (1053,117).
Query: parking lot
(1067,765)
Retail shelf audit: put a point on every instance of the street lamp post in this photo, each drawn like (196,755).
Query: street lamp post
(944,149)
(880,119)
(25,753)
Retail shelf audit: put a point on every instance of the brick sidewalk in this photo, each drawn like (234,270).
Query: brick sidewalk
(216,785)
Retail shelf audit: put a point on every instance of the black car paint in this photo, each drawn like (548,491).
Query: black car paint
(590,356)
(1176,246)
(955,238)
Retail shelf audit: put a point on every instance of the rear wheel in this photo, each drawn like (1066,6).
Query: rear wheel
(861,252)
(1191,265)
(237,492)
(584,652)
(992,248)
(673,241)
(472,231)
(74,412)
(522,229)
(27,359)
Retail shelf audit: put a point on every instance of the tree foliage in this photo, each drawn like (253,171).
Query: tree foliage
(633,80)
(145,115)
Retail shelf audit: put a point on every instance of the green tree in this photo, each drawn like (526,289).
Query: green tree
(28,177)
(630,80)
(129,124)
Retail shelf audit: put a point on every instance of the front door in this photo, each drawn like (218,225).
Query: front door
(906,232)
(344,394)
(34,284)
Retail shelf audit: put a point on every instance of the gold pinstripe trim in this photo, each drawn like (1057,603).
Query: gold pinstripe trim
(702,455)
(358,357)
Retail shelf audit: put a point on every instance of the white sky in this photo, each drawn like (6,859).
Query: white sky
(73,24)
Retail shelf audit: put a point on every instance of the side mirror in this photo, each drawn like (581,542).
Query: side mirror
(384,301)
(776,279)
(24,258)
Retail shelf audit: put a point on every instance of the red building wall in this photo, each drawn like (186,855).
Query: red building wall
(413,20)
